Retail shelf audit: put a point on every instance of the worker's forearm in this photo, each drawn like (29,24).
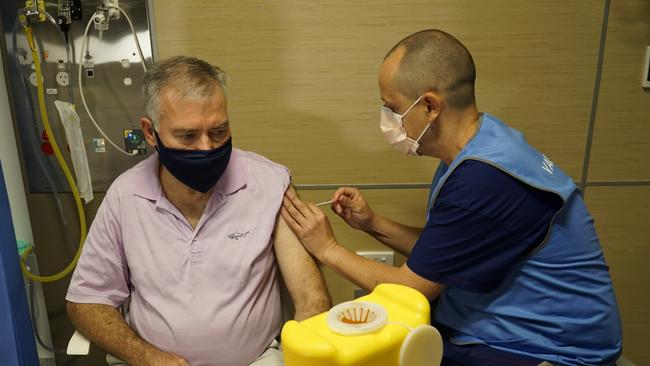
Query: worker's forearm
(363,272)
(399,237)
(105,326)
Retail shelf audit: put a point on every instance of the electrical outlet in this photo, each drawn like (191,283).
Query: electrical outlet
(32,78)
(384,257)
(62,78)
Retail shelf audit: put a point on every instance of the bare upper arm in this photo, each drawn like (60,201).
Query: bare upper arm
(299,269)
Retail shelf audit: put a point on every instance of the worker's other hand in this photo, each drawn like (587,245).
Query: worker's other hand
(350,205)
(309,223)
(167,359)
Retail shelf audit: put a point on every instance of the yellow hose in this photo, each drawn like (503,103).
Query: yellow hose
(64,166)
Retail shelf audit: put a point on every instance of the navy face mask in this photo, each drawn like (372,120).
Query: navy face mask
(197,169)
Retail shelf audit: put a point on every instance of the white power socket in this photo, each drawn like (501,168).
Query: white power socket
(62,78)
(384,257)
(32,78)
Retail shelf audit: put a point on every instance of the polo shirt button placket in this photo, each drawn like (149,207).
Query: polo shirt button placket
(196,253)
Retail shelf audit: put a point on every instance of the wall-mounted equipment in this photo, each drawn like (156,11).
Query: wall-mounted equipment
(118,35)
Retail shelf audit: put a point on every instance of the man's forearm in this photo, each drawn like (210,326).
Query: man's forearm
(105,326)
(399,237)
(315,304)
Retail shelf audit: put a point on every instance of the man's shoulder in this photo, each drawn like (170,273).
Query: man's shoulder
(141,178)
(257,162)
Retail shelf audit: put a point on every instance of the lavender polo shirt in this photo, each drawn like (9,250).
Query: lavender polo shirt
(210,295)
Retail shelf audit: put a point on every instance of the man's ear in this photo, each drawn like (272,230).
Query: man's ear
(434,103)
(147,128)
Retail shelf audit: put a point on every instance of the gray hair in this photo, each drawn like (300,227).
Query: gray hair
(436,61)
(192,79)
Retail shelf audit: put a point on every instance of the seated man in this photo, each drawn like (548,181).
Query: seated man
(193,237)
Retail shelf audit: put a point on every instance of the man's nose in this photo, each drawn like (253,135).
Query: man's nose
(206,143)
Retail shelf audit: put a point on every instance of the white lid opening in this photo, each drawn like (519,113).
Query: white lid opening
(356,318)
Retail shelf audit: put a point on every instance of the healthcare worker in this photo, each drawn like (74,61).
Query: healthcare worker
(509,249)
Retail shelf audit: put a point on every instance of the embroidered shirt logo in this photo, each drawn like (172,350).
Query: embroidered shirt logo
(238,235)
(547,164)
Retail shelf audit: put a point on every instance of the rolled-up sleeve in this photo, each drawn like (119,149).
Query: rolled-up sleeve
(101,276)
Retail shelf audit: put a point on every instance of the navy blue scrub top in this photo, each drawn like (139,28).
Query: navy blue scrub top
(482,223)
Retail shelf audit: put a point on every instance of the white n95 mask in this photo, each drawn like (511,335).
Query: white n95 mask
(392,126)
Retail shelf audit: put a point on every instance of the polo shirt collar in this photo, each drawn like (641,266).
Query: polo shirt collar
(147,178)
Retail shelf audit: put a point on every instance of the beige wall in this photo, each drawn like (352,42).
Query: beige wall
(618,185)
(304,93)
(304,74)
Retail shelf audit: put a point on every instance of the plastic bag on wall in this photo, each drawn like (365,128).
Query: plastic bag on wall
(72,125)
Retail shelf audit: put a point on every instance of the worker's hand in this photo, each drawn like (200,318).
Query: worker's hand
(353,208)
(166,359)
(309,224)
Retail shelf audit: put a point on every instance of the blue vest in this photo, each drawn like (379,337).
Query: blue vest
(558,303)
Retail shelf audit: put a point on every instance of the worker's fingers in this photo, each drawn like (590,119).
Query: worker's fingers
(344,191)
(291,192)
(315,211)
(297,203)
(345,201)
(337,208)
(291,222)
(292,210)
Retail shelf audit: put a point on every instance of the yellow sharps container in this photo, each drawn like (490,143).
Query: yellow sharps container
(388,327)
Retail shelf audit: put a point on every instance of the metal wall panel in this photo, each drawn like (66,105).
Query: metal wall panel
(116,106)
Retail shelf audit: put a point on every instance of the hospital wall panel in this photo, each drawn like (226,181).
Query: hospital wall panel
(304,74)
(55,248)
(621,219)
(620,144)
(406,206)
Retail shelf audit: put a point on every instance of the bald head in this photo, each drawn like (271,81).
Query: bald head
(432,60)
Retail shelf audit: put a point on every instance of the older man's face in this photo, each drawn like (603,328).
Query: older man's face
(188,125)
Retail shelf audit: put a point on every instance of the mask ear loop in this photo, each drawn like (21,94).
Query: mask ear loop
(417,141)
(423,132)
(411,107)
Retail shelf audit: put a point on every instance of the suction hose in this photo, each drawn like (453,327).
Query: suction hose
(29,106)
(64,166)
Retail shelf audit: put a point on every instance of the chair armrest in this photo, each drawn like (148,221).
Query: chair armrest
(78,344)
